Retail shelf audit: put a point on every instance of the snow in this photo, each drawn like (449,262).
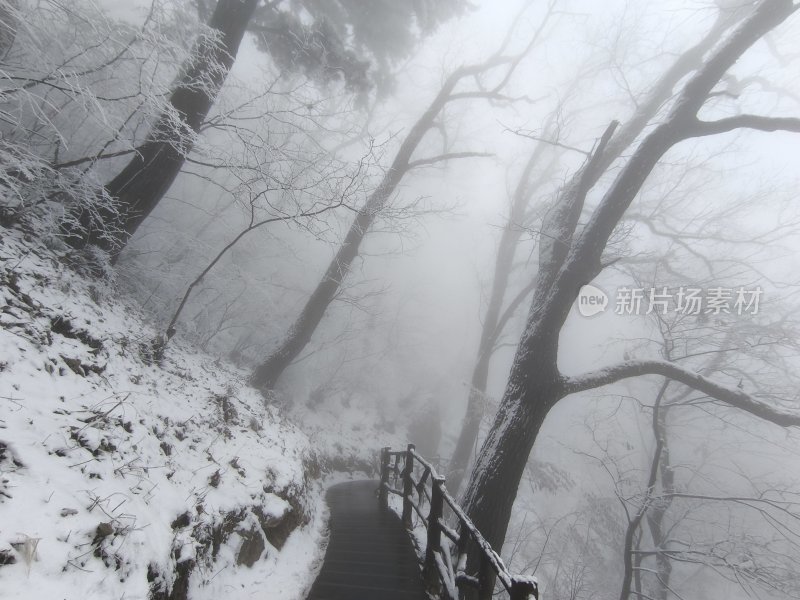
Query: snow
(348,430)
(111,464)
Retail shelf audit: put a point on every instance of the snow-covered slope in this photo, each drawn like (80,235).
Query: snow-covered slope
(123,478)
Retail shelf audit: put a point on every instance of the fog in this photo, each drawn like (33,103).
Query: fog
(714,511)
(405,331)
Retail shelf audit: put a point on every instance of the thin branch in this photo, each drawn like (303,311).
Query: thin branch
(511,309)
(758,122)
(447,156)
(251,227)
(544,140)
(92,159)
(733,396)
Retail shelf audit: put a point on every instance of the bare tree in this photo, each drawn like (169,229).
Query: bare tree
(569,258)
(765,343)
(340,194)
(497,315)
(299,335)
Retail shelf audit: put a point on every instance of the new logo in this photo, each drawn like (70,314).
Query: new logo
(591,300)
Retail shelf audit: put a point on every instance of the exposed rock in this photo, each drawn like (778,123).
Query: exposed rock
(7,558)
(159,590)
(64,327)
(278,529)
(252,546)
(214,480)
(183,520)
(102,532)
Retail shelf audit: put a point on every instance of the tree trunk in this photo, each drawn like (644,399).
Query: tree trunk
(480,373)
(655,520)
(491,330)
(633,533)
(504,454)
(535,383)
(657,513)
(266,375)
(582,180)
(144,181)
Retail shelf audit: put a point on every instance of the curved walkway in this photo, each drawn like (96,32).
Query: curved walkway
(369,554)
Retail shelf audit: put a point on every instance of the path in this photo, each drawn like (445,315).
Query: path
(369,555)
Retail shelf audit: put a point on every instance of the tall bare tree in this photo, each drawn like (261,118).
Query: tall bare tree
(497,315)
(570,257)
(299,335)
(766,342)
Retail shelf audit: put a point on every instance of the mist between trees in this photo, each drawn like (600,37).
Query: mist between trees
(400,202)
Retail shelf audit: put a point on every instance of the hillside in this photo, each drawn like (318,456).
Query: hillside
(122,476)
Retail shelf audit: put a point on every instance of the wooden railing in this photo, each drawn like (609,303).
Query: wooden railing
(446,552)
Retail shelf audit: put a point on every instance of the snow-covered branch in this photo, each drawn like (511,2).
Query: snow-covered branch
(785,417)
(759,122)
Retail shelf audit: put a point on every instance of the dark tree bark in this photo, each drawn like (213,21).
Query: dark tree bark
(144,181)
(535,384)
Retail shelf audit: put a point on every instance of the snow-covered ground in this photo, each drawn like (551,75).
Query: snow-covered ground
(125,477)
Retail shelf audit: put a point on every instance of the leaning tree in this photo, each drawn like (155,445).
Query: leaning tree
(487,80)
(571,256)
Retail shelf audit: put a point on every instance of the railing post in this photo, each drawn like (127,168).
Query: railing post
(429,571)
(383,492)
(408,486)
(523,588)
(462,548)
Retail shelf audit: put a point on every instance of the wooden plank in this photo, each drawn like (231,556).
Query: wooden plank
(369,554)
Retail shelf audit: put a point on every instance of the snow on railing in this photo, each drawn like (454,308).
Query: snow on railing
(446,553)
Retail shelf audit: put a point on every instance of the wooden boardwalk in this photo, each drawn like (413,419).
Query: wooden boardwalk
(369,554)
